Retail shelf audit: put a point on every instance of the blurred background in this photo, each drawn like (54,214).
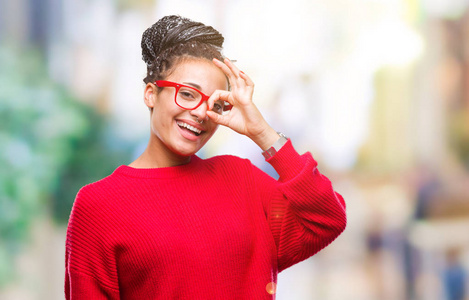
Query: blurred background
(377,90)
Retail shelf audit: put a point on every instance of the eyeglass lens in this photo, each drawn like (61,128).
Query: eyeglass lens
(189,99)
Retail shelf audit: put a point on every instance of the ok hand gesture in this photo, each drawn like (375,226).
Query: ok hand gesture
(244,117)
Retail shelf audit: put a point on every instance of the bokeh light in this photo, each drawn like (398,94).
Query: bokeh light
(375,89)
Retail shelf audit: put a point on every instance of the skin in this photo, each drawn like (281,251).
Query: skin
(169,144)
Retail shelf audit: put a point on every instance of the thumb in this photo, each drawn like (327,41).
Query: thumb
(217,118)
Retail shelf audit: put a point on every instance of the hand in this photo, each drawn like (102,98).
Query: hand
(244,117)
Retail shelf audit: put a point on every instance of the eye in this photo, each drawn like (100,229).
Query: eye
(187,94)
(218,107)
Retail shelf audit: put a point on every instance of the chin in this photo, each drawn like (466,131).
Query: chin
(186,151)
(184,148)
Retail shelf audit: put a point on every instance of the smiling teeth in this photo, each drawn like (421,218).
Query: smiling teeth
(191,128)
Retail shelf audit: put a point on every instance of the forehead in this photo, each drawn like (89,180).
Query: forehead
(201,72)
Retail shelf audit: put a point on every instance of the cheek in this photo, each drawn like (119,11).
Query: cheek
(160,119)
(165,110)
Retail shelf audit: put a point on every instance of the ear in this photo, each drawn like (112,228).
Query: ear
(149,95)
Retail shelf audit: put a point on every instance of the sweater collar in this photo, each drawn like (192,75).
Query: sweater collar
(168,172)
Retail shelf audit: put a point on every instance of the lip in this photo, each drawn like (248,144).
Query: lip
(186,134)
(193,124)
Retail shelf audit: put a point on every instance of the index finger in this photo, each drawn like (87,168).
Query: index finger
(228,72)
(221,95)
(234,69)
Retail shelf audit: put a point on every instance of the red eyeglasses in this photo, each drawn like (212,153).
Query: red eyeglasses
(190,98)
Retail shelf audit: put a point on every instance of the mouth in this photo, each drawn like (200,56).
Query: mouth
(189,128)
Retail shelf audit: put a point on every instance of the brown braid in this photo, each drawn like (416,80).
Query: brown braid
(172,38)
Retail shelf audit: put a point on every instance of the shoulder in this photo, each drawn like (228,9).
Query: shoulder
(226,158)
(220,162)
(94,194)
(98,187)
(227,166)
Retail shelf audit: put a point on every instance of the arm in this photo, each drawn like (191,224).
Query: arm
(90,271)
(304,213)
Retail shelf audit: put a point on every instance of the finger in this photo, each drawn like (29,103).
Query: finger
(234,69)
(218,119)
(219,95)
(238,73)
(246,78)
(231,77)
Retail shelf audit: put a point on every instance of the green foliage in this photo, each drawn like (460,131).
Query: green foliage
(50,145)
(95,156)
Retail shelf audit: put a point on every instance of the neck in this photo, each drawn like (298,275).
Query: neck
(157,155)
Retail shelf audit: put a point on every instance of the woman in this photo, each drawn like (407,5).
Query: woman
(174,226)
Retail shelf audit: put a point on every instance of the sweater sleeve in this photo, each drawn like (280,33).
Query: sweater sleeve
(305,214)
(90,269)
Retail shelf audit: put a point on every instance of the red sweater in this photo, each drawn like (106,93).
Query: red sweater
(218,228)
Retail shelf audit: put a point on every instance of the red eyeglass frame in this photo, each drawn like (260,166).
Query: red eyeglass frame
(177,86)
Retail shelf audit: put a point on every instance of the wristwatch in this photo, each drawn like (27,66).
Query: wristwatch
(275,147)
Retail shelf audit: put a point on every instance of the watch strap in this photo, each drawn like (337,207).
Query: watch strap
(276,146)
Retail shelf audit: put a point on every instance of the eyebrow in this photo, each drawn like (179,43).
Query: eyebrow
(194,85)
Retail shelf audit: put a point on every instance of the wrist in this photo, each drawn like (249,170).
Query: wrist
(279,143)
(266,138)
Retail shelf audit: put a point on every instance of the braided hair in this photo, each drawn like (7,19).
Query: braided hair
(172,38)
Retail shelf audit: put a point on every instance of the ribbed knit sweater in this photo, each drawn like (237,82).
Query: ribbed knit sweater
(218,228)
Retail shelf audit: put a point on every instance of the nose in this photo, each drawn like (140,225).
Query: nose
(200,112)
